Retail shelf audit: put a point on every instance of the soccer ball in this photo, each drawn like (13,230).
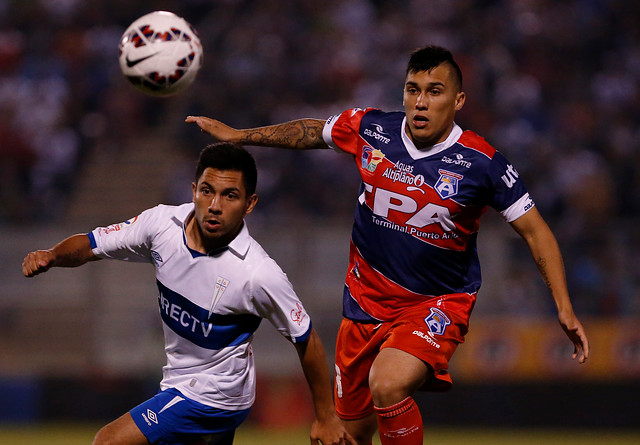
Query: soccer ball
(160,53)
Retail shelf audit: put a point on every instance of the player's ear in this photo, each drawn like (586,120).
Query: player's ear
(193,190)
(460,98)
(251,203)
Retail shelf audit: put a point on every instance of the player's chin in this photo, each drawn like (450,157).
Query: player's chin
(423,139)
(213,234)
(419,128)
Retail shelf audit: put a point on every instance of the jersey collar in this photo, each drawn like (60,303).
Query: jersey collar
(239,246)
(416,153)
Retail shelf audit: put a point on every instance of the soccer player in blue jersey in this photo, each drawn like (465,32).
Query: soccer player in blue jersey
(215,284)
(413,269)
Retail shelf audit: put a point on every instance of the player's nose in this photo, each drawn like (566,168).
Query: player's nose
(214,205)
(422,101)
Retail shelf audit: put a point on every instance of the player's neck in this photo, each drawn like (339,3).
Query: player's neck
(193,235)
(196,241)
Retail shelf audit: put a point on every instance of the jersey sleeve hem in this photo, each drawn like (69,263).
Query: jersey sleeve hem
(304,337)
(518,208)
(92,240)
(326,133)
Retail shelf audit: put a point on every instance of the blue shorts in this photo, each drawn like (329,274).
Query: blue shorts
(171,418)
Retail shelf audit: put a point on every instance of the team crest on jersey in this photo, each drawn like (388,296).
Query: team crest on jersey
(437,321)
(447,185)
(221,286)
(371,158)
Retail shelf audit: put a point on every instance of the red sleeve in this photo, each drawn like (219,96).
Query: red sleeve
(341,132)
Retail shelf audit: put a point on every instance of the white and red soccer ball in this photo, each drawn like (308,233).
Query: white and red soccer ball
(160,53)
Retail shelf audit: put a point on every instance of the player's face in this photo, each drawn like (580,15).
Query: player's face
(221,203)
(431,100)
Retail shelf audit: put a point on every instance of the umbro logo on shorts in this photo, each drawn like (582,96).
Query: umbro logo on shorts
(150,417)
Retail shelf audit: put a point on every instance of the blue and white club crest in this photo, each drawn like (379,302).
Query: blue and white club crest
(221,286)
(437,321)
(447,185)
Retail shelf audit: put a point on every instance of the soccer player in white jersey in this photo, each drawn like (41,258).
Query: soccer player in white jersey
(413,267)
(215,284)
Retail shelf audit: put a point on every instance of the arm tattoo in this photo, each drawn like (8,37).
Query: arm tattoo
(542,267)
(300,134)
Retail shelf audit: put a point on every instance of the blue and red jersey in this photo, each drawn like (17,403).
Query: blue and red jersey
(416,222)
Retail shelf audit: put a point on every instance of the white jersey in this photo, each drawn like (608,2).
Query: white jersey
(210,304)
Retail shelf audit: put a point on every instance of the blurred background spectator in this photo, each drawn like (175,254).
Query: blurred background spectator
(553,85)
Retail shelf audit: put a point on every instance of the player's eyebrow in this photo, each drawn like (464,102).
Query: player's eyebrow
(224,189)
(231,189)
(429,85)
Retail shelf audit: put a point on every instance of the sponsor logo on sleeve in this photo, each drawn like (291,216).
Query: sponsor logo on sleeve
(116,227)
(332,119)
(510,176)
(297,314)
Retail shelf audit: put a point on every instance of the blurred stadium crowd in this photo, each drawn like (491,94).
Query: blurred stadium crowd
(553,85)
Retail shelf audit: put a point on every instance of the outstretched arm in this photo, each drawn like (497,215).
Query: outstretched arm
(546,253)
(327,427)
(302,134)
(71,252)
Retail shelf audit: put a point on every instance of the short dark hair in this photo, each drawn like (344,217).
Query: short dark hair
(429,57)
(228,156)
